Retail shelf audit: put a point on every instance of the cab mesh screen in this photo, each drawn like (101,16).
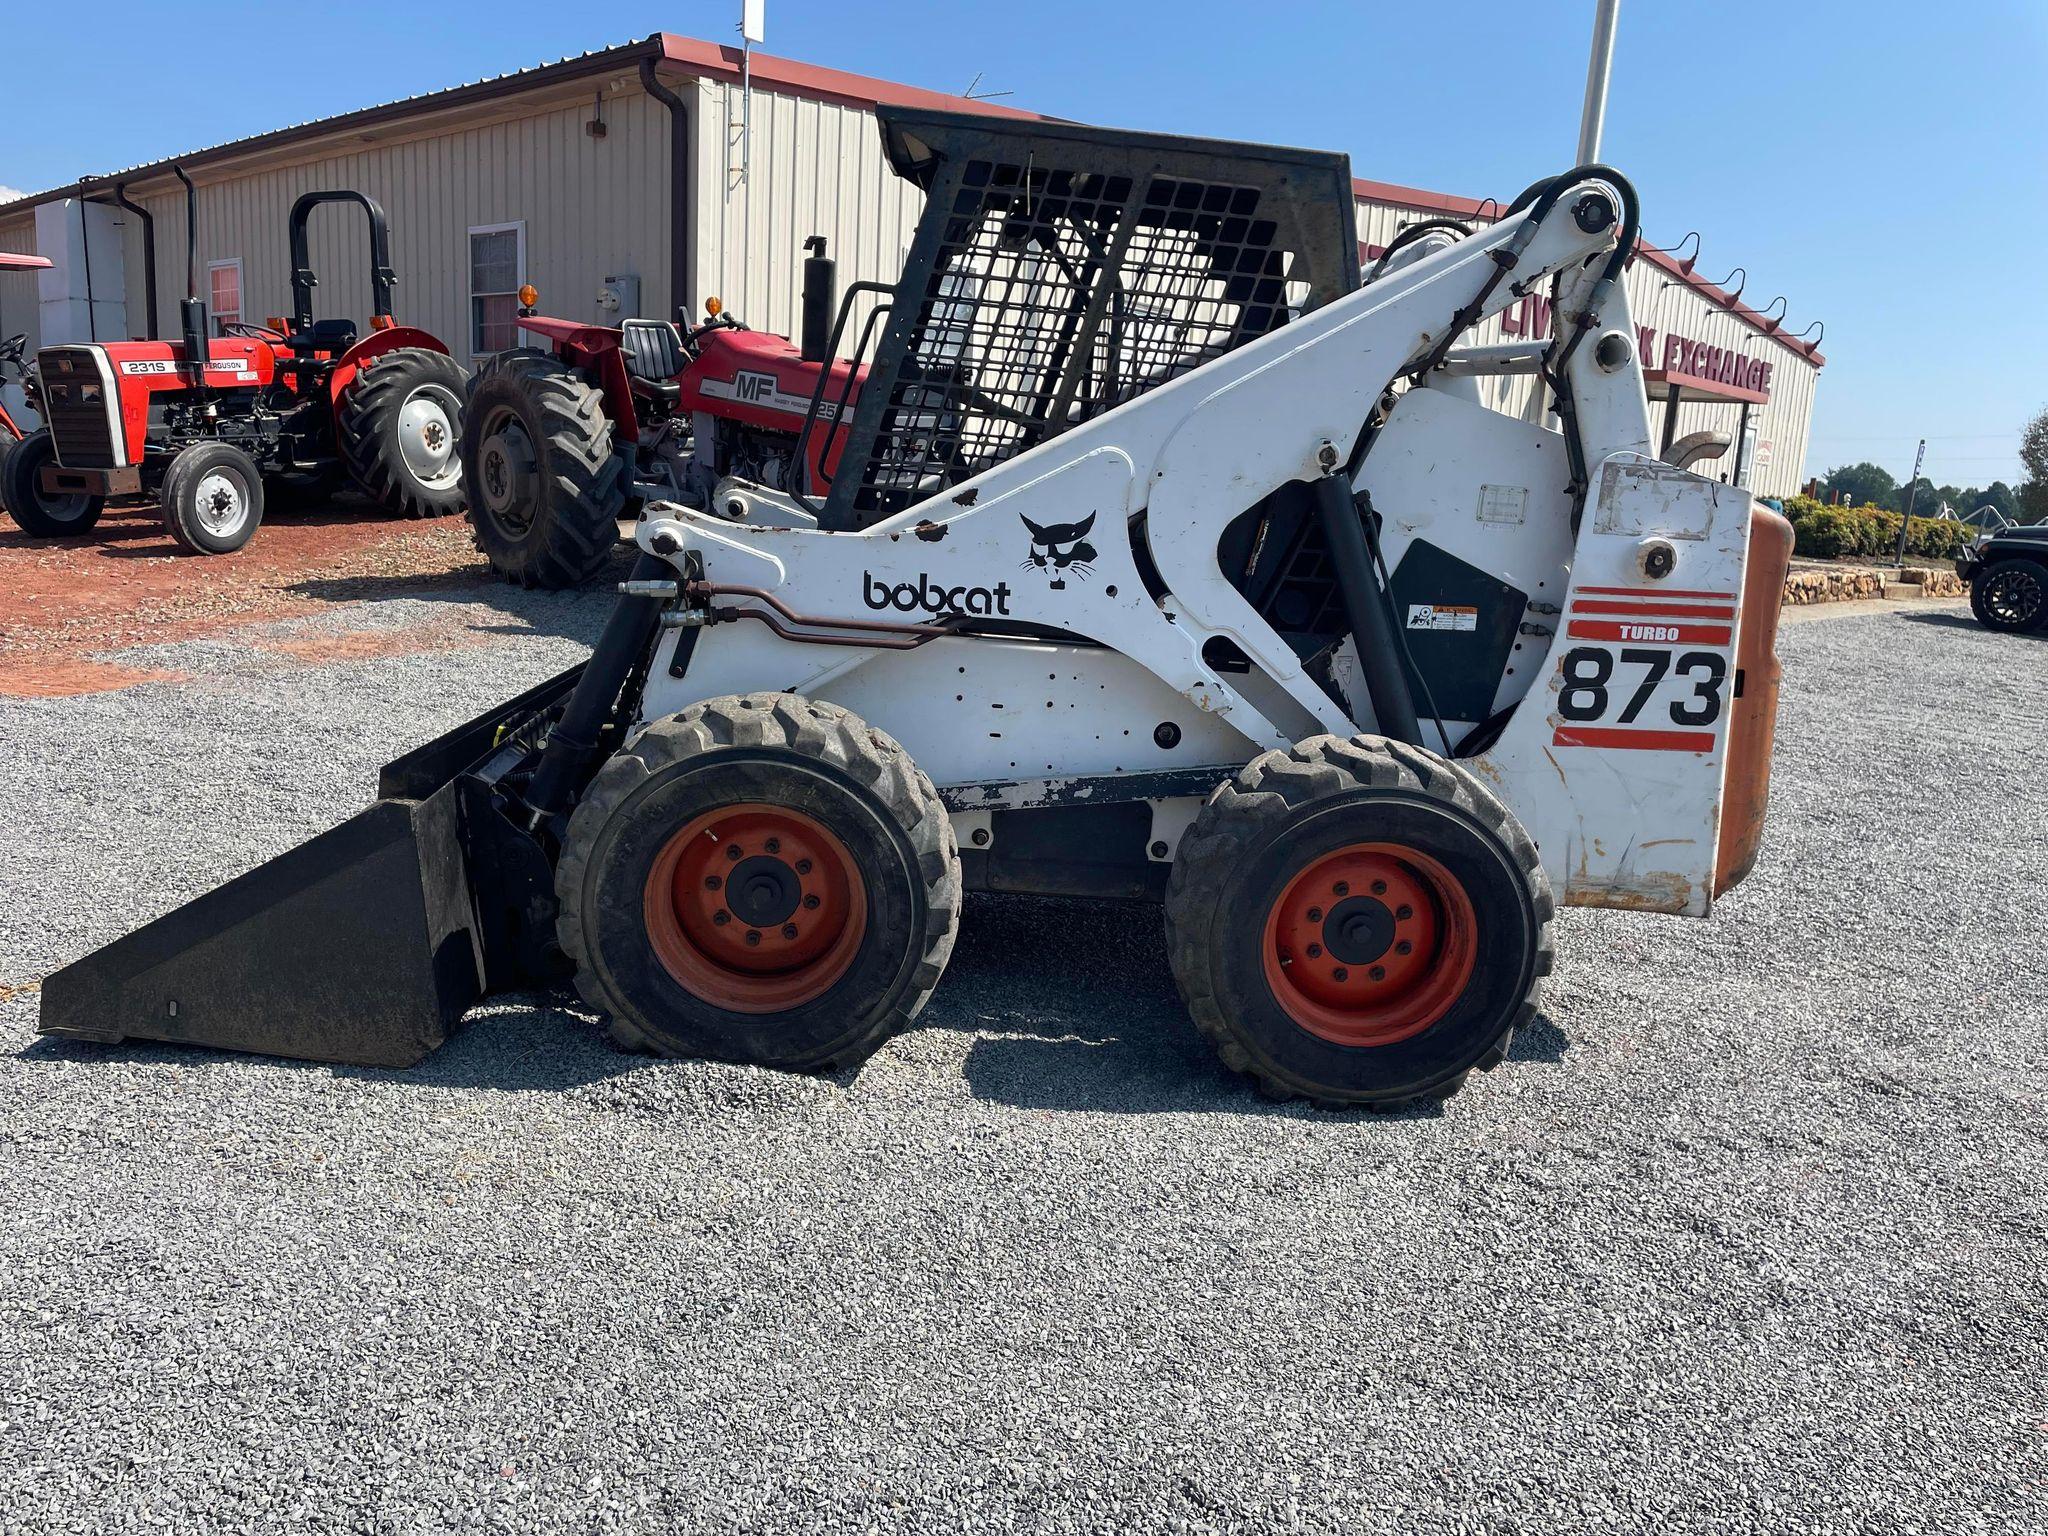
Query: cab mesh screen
(1051,283)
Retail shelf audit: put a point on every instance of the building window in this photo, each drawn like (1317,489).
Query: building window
(224,293)
(497,266)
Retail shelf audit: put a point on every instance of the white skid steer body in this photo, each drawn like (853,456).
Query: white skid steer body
(1620,685)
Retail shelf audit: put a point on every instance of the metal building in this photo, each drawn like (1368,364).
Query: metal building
(663,171)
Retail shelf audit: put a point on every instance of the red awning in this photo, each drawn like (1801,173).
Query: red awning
(1693,389)
(11,262)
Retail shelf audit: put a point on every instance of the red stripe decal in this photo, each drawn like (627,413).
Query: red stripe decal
(1664,610)
(1719,597)
(1664,634)
(1629,737)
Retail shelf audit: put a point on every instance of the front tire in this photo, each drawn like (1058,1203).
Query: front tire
(212,498)
(1357,922)
(544,486)
(2010,596)
(399,424)
(46,517)
(764,879)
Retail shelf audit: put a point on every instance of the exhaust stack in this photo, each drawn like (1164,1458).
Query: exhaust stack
(821,281)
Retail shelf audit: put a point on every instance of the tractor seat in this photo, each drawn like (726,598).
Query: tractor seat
(654,356)
(331,336)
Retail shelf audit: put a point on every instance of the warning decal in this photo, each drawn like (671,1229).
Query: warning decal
(1442,616)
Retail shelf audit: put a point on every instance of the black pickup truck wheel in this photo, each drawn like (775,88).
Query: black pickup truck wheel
(2010,595)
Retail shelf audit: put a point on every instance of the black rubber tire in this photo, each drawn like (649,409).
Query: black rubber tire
(780,749)
(44,517)
(179,498)
(367,428)
(1283,811)
(2011,596)
(561,525)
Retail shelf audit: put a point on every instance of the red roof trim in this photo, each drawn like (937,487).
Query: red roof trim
(813,80)
(12,262)
(1465,207)
(1693,386)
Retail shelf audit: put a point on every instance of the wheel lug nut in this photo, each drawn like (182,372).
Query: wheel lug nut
(775,845)
(789,930)
(753,935)
(1315,914)
(1342,887)
(732,851)
(721,917)
(1403,912)
(1341,974)
(1404,948)
(1378,973)
(1315,951)
(803,866)
(712,882)
(1379,887)
(810,903)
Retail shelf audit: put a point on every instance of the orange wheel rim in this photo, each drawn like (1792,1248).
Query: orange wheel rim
(1371,944)
(755,908)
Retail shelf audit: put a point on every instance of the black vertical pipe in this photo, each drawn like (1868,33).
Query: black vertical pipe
(92,321)
(574,738)
(1369,608)
(148,254)
(680,298)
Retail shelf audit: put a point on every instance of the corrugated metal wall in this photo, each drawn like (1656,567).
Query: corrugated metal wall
(18,289)
(592,208)
(815,168)
(1670,307)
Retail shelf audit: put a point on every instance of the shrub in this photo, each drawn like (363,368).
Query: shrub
(1867,532)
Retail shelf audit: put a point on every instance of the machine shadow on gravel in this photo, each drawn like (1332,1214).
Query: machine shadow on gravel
(1074,1009)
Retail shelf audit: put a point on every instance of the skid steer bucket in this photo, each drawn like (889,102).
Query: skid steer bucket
(364,945)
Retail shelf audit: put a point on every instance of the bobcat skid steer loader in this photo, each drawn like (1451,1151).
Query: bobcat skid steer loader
(1164,560)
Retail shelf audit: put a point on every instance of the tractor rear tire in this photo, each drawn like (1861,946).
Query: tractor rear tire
(1358,923)
(399,424)
(544,484)
(2011,596)
(763,879)
(45,517)
(212,498)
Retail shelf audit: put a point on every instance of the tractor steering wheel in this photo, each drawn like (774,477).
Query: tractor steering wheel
(12,348)
(253,331)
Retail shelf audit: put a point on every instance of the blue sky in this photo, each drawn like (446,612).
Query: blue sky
(1879,163)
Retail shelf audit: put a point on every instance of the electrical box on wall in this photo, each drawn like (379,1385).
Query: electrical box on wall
(618,299)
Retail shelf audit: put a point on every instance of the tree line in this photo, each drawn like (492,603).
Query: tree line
(1872,484)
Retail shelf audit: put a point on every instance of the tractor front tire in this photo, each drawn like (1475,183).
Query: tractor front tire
(544,484)
(763,879)
(45,517)
(212,498)
(399,425)
(1358,923)
(2011,596)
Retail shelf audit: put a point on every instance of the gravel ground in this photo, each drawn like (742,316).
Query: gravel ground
(1746,1235)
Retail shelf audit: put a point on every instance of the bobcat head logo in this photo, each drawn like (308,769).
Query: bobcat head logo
(1061,548)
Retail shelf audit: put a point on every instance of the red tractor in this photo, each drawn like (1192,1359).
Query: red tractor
(203,423)
(558,445)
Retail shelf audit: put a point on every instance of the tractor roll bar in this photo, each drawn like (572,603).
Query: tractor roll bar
(382,278)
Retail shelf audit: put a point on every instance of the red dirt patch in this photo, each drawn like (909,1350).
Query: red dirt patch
(126,583)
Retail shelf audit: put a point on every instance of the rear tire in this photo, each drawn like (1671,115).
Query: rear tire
(764,879)
(212,498)
(46,517)
(1357,922)
(399,424)
(2011,596)
(544,486)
